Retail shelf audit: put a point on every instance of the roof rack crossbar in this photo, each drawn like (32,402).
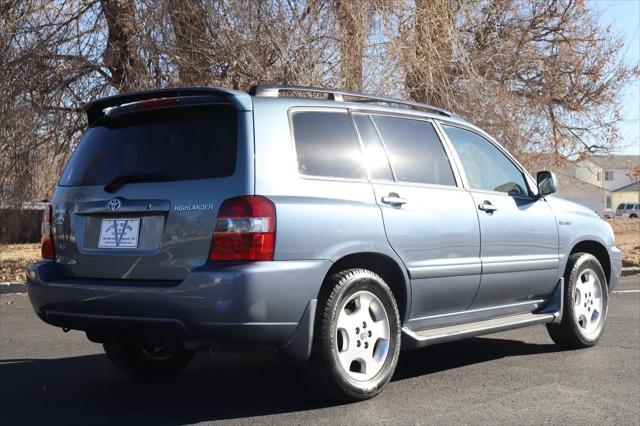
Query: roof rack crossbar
(338,95)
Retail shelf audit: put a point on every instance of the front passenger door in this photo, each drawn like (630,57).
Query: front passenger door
(518,231)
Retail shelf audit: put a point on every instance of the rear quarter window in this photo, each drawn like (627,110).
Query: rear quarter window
(180,143)
(326,145)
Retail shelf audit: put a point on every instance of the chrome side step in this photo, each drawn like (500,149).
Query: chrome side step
(552,313)
(416,339)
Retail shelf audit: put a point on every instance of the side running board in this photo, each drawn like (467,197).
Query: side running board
(552,313)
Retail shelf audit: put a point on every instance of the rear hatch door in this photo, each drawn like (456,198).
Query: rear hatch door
(139,197)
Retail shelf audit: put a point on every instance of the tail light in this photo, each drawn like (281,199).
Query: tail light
(46,241)
(245,230)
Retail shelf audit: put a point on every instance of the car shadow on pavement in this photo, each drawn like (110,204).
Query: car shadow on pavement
(87,389)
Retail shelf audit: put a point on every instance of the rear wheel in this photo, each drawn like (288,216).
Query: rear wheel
(633,216)
(585,304)
(148,360)
(358,336)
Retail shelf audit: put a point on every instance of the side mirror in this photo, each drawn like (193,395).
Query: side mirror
(547,183)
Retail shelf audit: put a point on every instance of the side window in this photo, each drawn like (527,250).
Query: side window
(485,165)
(374,155)
(326,145)
(415,151)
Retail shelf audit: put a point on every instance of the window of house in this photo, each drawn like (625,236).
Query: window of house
(608,176)
(607,201)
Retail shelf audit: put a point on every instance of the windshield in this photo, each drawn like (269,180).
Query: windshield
(183,143)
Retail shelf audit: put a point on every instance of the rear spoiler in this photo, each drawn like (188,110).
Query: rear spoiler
(96,109)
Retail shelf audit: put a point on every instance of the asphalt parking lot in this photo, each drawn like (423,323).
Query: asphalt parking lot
(47,376)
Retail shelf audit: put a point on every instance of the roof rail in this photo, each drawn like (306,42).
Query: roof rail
(338,96)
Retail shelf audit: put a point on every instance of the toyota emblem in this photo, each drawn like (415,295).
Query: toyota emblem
(114,205)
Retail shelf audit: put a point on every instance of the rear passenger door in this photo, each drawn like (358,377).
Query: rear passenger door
(430,220)
(518,231)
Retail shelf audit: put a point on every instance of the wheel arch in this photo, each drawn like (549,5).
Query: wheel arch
(392,272)
(599,251)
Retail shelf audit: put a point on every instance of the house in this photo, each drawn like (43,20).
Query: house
(573,189)
(610,172)
(626,194)
(599,183)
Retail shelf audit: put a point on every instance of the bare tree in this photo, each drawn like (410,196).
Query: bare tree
(122,53)
(190,30)
(541,75)
(353,22)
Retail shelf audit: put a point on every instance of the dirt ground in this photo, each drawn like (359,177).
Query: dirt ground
(628,239)
(15,257)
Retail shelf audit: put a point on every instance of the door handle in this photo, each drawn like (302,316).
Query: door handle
(486,206)
(394,199)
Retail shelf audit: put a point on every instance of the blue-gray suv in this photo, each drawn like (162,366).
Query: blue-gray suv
(334,227)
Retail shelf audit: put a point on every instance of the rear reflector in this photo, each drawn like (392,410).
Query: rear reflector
(245,230)
(46,241)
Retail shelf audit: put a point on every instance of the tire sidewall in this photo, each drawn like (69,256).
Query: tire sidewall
(362,280)
(586,261)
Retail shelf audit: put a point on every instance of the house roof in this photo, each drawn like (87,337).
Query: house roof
(535,161)
(615,161)
(632,187)
(569,186)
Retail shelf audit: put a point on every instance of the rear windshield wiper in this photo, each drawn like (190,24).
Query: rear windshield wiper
(122,180)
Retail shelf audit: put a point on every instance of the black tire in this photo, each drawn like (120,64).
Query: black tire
(633,216)
(144,361)
(569,334)
(334,380)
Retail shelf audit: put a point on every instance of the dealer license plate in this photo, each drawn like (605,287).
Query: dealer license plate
(119,233)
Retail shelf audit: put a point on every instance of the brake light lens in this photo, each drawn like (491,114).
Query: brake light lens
(46,241)
(245,230)
(155,103)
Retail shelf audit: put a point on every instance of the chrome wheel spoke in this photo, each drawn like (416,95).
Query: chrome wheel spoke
(588,302)
(362,335)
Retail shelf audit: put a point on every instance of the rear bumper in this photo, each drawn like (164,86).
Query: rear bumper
(268,303)
(616,267)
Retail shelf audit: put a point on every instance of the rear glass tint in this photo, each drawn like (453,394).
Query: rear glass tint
(177,143)
(374,154)
(326,145)
(415,151)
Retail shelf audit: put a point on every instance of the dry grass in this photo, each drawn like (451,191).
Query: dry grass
(628,239)
(14,259)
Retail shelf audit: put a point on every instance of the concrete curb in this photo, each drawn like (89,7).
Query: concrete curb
(630,271)
(9,288)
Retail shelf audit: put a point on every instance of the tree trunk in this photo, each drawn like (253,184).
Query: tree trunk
(352,23)
(189,26)
(428,66)
(122,56)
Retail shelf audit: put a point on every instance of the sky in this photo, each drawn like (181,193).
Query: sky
(624,17)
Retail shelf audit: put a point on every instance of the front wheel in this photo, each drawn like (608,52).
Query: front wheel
(585,304)
(357,342)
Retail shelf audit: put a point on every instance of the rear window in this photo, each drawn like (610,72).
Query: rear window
(176,143)
(415,151)
(326,145)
